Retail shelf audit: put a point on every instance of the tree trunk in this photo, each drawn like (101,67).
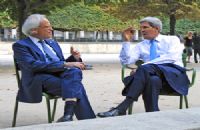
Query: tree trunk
(107,35)
(21,18)
(172,23)
(97,34)
(22,14)
(76,33)
(102,38)
(24,7)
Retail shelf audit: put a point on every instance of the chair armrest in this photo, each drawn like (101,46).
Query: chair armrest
(193,75)
(123,70)
(137,63)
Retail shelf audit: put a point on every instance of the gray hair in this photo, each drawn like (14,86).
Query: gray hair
(153,21)
(33,21)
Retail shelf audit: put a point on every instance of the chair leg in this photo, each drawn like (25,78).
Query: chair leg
(130,109)
(186,102)
(181,102)
(15,114)
(54,109)
(48,109)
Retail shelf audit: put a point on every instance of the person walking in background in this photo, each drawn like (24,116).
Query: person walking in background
(162,69)
(44,68)
(196,47)
(188,45)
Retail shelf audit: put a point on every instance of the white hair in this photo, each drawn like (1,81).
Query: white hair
(153,21)
(33,21)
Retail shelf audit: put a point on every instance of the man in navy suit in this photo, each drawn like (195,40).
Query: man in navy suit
(44,68)
(162,68)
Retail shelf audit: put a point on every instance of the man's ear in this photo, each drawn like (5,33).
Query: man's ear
(158,29)
(34,31)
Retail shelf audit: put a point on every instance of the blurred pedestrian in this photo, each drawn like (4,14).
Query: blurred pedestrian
(196,46)
(188,45)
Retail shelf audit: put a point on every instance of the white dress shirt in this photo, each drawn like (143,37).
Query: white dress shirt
(169,50)
(36,42)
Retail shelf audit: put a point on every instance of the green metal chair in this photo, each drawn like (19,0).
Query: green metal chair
(139,62)
(48,97)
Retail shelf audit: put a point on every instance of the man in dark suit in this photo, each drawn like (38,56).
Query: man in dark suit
(44,68)
(162,68)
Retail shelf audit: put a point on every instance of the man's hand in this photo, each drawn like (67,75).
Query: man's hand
(75,53)
(128,34)
(79,65)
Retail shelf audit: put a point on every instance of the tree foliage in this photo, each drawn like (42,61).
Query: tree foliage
(20,9)
(83,17)
(134,9)
(185,25)
(6,21)
(90,14)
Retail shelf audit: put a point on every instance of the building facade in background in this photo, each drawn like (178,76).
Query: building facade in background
(8,34)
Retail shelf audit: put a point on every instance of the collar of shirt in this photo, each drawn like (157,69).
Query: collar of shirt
(35,41)
(157,39)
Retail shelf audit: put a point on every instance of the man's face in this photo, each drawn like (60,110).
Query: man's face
(44,31)
(149,32)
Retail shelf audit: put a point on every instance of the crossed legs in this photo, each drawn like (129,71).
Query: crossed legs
(68,85)
(146,81)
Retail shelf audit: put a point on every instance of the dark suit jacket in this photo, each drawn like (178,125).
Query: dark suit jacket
(174,75)
(31,61)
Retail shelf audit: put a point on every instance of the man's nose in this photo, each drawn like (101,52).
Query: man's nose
(142,30)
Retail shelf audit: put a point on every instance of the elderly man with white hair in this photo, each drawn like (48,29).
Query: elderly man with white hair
(162,68)
(44,68)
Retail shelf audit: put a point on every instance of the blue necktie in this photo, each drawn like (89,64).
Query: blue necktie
(49,55)
(153,48)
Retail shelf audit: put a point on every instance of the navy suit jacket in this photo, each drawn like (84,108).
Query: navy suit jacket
(176,77)
(32,64)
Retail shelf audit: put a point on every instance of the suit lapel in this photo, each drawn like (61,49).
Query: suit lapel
(30,43)
(55,48)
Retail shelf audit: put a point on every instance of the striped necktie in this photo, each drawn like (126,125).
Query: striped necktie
(49,55)
(153,49)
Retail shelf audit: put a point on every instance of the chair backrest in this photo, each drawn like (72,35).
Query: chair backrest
(17,71)
(184,56)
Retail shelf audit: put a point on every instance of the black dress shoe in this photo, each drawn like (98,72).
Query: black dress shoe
(65,118)
(110,113)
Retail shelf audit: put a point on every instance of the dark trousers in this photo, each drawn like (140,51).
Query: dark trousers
(196,51)
(68,85)
(148,81)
